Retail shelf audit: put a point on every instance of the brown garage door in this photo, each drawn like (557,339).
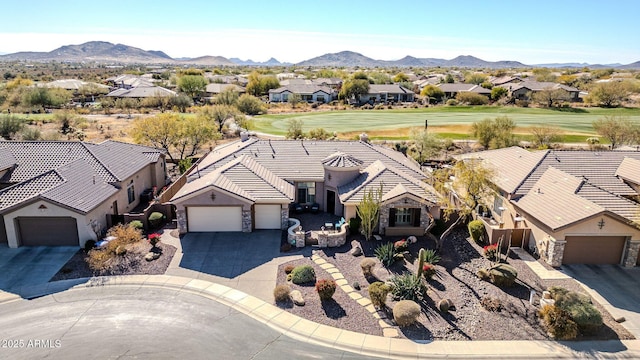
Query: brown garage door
(47,231)
(593,249)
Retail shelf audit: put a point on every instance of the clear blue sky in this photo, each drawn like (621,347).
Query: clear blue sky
(531,32)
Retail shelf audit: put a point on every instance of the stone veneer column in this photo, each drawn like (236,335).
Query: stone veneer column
(631,251)
(555,252)
(384,218)
(323,239)
(284,218)
(181,216)
(246,220)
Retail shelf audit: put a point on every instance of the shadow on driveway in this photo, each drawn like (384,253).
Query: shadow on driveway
(29,266)
(229,255)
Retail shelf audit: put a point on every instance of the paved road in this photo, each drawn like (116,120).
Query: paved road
(142,323)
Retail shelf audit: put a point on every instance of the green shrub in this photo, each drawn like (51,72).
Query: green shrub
(431,257)
(136,224)
(326,288)
(558,323)
(281,293)
(386,253)
(155,219)
(579,308)
(354,225)
(367,265)
(406,312)
(407,287)
(476,230)
(303,274)
(378,292)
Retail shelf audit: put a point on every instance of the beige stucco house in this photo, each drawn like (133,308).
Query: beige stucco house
(66,192)
(251,184)
(567,206)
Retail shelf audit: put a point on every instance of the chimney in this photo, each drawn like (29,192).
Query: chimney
(244,136)
(364,137)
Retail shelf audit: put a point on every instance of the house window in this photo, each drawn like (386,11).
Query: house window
(307,192)
(307,97)
(497,205)
(404,216)
(285,97)
(320,98)
(131,193)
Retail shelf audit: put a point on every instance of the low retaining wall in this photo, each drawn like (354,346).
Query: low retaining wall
(333,239)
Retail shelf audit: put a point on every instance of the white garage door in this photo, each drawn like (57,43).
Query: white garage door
(214,218)
(267,216)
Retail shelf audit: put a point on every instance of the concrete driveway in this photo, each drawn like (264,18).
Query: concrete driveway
(616,288)
(244,261)
(28,266)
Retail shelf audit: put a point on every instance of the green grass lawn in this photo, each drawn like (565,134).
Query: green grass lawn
(576,122)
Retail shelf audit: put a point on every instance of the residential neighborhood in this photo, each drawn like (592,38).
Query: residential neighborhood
(314,182)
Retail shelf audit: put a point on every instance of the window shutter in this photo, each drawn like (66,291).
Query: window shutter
(416,217)
(392,217)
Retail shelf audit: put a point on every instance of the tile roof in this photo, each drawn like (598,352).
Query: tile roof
(538,86)
(629,170)
(341,160)
(378,174)
(460,87)
(7,159)
(243,177)
(301,160)
(558,187)
(511,165)
(303,89)
(216,88)
(72,84)
(390,88)
(74,174)
(599,168)
(142,92)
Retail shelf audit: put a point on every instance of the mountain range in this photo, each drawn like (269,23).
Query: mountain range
(106,52)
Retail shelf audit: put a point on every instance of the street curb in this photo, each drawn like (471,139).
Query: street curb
(369,345)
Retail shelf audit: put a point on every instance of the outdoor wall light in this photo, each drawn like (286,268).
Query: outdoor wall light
(601,223)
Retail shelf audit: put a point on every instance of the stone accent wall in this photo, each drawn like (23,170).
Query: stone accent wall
(284,218)
(181,216)
(247,222)
(631,251)
(323,239)
(400,203)
(555,252)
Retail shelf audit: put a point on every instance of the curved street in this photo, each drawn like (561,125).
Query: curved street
(141,323)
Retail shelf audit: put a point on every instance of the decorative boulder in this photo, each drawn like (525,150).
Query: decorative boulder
(296,297)
(412,239)
(356,251)
(445,305)
(150,256)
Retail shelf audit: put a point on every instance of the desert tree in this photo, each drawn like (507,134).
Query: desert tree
(618,130)
(494,133)
(193,133)
(294,129)
(461,190)
(181,102)
(498,92)
(544,136)
(475,78)
(228,96)
(218,114)
(433,93)
(250,105)
(471,98)
(608,94)
(425,145)
(10,126)
(354,88)
(400,77)
(161,131)
(294,100)
(368,210)
(192,85)
(550,97)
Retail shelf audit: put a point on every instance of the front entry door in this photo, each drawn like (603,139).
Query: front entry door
(331,202)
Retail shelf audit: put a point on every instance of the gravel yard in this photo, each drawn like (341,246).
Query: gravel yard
(456,280)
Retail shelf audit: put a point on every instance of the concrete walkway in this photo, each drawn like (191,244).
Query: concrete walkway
(309,332)
(542,272)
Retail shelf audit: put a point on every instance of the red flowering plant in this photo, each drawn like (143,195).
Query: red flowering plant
(153,239)
(490,252)
(401,245)
(428,270)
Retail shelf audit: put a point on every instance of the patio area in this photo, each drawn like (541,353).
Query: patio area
(312,224)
